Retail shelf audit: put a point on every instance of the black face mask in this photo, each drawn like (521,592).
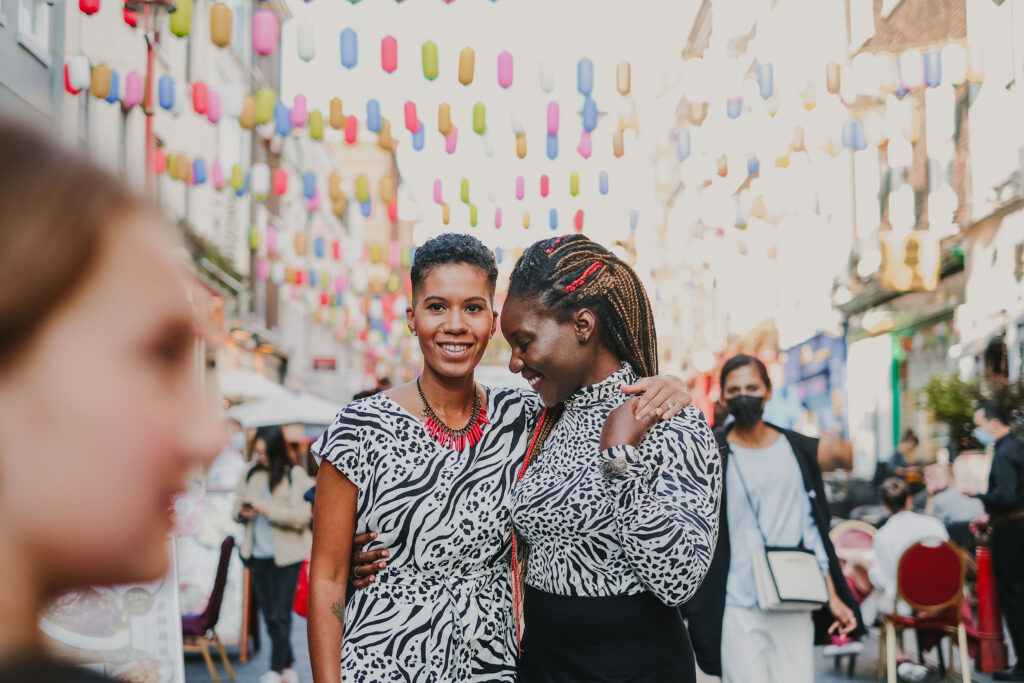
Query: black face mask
(746,409)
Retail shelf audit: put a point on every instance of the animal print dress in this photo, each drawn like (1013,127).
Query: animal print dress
(442,610)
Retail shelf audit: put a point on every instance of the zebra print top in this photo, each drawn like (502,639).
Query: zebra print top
(442,610)
(651,529)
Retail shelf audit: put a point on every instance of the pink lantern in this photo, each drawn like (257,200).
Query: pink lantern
(271,238)
(213,106)
(314,202)
(393,213)
(280,185)
(351,130)
(324,298)
(159,161)
(497,218)
(578,221)
(389,54)
(200,97)
(336,251)
(217,175)
(585,147)
(264,32)
(451,140)
(338,289)
(505,69)
(520,187)
(344,281)
(412,122)
(544,185)
(552,118)
(132,89)
(396,254)
(299,114)
(262,269)
(438,198)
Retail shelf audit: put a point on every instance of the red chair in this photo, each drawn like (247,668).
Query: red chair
(199,630)
(929,578)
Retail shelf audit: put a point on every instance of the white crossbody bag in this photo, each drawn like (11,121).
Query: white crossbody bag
(788,578)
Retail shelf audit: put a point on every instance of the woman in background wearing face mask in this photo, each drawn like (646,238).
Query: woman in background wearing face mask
(773,486)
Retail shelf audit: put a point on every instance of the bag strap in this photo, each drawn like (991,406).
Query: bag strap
(750,501)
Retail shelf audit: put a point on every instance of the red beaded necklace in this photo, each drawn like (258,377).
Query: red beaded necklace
(456,439)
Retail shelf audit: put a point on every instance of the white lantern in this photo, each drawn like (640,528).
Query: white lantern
(547,77)
(516,119)
(233,100)
(259,180)
(912,69)
(488,144)
(306,41)
(79,72)
(181,96)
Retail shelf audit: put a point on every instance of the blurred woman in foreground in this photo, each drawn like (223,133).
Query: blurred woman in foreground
(101,413)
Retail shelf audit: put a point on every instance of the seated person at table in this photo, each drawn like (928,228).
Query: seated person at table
(945,502)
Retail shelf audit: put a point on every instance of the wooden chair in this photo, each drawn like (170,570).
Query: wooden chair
(199,630)
(929,578)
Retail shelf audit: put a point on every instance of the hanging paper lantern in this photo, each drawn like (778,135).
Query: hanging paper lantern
(585,76)
(874,129)
(430,67)
(217,175)
(334,186)
(339,206)
(418,137)
(300,250)
(373,117)
(438,197)
(589,115)
(213,106)
(198,172)
(159,161)
(237,178)
(832,70)
(412,120)
(384,139)
(634,219)
(586,146)
(810,97)
(336,255)
(165,92)
(114,94)
(314,202)
(467,63)
(132,90)
(464,190)
(553,219)
(765,80)
(247,120)
(362,188)
(337,115)
(497,224)
(723,166)
(70,89)
(520,187)
(299,113)
(888,73)
(698,112)
(181,18)
(232,99)
(282,120)
(683,144)
(552,118)
(278,274)
(577,221)
(623,78)
(521,145)
(254,238)
(574,183)
(618,144)
(182,168)
(387,189)
(266,98)
(180,97)
(472,216)
(505,69)
(954,63)
(753,165)
(544,185)
(200,97)
(172,166)
(280,181)
(349,48)
(446,213)
(316,125)
(319,249)
(975,63)
(933,68)
(734,107)
(99,86)
(259,179)
(262,270)
(552,147)
(308,184)
(547,77)
(131,17)
(451,141)
(220,25)
(393,213)
(351,130)
(479,118)
(264,32)
(80,74)
(911,66)
(389,54)
(602,182)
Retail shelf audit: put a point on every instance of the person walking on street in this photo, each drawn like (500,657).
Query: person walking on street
(269,502)
(1004,515)
(774,497)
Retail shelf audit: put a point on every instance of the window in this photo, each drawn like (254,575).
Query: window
(862,22)
(34,28)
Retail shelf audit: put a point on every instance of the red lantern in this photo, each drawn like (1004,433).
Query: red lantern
(200,98)
(300,275)
(336,250)
(351,130)
(578,221)
(159,161)
(280,181)
(393,211)
(89,6)
(323,298)
(67,82)
(544,185)
(131,17)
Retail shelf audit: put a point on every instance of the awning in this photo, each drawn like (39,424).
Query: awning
(243,384)
(291,408)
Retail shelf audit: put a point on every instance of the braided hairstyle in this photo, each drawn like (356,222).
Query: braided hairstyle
(570,272)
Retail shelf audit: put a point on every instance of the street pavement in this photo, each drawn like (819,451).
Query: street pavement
(866,669)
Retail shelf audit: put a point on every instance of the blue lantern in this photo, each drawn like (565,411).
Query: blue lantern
(765,80)
(312,278)
(418,138)
(318,249)
(240,192)
(860,137)
(589,115)
(634,219)
(366,208)
(683,144)
(309,185)
(498,254)
(198,171)
(602,182)
(115,91)
(349,48)
(282,120)
(932,68)
(585,76)
(753,165)
(373,116)
(166,92)
(552,146)
(553,219)
(734,107)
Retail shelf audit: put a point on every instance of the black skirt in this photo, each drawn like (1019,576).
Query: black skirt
(613,639)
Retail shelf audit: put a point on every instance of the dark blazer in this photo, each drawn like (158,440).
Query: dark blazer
(706,610)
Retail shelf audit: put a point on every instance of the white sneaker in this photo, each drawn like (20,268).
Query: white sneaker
(912,672)
(270,677)
(289,675)
(854,647)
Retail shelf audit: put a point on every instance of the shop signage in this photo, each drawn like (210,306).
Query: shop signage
(324,363)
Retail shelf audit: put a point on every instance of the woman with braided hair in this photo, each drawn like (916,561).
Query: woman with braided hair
(620,516)
(424,473)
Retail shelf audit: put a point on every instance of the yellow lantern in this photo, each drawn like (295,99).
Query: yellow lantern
(334,186)
(266,98)
(526,220)
(300,244)
(387,189)
(446,213)
(623,78)
(100,86)
(467,60)
(247,119)
(339,205)
(362,188)
(181,18)
(182,167)
(618,145)
(220,25)
(337,118)
(444,119)
(521,145)
(574,183)
(384,139)
(832,83)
